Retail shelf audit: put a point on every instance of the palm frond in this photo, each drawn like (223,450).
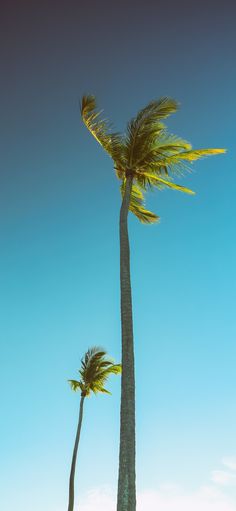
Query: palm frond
(111,369)
(146,126)
(101,129)
(196,154)
(104,391)
(164,145)
(96,389)
(115,369)
(75,385)
(156,110)
(137,205)
(156,181)
(179,163)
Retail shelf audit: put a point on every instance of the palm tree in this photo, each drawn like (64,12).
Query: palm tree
(145,157)
(95,370)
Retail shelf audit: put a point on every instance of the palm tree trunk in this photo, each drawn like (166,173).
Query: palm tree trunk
(73,463)
(126,500)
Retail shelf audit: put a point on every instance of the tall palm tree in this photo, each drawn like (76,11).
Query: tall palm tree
(145,157)
(95,370)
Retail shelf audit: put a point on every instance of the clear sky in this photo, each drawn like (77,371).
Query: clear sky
(59,269)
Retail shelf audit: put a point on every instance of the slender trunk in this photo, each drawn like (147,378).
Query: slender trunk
(73,463)
(126,500)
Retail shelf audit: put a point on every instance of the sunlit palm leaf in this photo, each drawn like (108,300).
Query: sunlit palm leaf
(137,205)
(164,145)
(199,153)
(146,126)
(159,182)
(75,385)
(101,129)
(179,162)
(99,388)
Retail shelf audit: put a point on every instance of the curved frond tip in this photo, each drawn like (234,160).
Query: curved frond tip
(101,129)
(196,154)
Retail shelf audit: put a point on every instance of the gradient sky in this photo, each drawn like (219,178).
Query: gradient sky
(59,264)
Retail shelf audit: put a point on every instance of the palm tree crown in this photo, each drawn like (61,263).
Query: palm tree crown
(146,151)
(95,370)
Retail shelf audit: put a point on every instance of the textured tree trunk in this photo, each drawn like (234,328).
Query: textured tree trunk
(73,463)
(126,500)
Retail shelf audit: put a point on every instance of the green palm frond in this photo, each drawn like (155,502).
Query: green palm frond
(195,154)
(115,369)
(137,205)
(165,145)
(111,369)
(95,370)
(104,391)
(152,180)
(101,129)
(96,389)
(144,129)
(153,113)
(75,385)
(178,163)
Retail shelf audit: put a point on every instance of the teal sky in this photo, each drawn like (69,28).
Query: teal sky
(59,269)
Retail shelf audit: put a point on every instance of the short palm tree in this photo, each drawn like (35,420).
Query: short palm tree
(145,157)
(95,370)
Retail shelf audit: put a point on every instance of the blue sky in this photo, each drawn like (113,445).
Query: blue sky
(59,267)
